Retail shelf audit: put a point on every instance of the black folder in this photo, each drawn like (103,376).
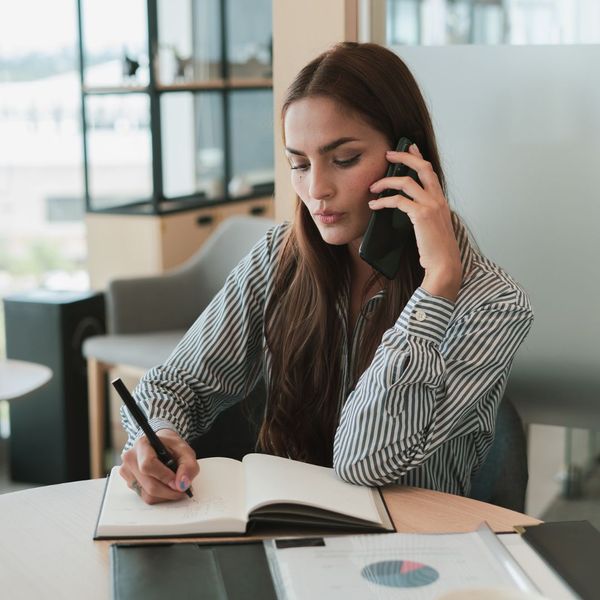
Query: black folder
(188,571)
(572,549)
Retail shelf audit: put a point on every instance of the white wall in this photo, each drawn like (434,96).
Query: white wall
(519,134)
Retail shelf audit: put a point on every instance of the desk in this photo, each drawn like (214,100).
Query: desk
(47,551)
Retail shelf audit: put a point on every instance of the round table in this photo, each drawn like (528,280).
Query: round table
(47,551)
(19,377)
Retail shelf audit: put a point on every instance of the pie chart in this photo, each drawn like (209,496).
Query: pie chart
(400,573)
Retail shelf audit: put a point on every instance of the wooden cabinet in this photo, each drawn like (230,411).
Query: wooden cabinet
(136,245)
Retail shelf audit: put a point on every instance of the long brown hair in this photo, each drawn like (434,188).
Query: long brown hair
(302,322)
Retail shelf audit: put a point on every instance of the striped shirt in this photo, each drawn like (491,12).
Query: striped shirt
(423,413)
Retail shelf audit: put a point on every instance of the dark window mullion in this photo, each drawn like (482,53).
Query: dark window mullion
(226,101)
(86,182)
(154,97)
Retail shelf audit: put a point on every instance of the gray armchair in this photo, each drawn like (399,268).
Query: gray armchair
(147,316)
(502,479)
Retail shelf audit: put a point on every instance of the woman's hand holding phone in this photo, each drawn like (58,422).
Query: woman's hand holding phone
(430,215)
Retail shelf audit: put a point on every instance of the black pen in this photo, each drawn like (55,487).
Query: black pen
(163,454)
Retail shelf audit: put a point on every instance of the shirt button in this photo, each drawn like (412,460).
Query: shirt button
(420,315)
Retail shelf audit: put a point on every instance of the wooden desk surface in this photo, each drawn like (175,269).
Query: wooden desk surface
(47,551)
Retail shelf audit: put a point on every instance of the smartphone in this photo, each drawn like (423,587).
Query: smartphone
(390,231)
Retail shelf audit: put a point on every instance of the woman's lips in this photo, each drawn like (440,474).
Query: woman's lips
(329,218)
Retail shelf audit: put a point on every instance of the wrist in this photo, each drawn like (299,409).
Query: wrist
(445,283)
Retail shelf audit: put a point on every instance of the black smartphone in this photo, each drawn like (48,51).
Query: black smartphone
(390,230)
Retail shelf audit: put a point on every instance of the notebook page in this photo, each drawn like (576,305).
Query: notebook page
(217,505)
(272,479)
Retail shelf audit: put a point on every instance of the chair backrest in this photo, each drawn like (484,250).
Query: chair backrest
(502,479)
(221,252)
(173,300)
(235,431)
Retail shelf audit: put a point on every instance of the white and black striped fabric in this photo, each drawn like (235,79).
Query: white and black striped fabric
(422,414)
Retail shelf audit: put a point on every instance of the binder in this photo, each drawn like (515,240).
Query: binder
(186,571)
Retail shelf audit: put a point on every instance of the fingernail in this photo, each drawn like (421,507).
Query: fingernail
(414,147)
(184,484)
(371,202)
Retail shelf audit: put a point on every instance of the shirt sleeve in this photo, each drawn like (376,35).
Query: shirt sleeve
(428,382)
(217,362)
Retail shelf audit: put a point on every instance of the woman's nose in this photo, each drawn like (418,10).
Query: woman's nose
(321,186)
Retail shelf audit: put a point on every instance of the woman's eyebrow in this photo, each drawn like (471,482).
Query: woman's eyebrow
(327,147)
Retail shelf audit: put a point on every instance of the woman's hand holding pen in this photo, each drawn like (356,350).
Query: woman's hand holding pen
(153,480)
(430,214)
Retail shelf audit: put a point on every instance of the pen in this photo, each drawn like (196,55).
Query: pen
(163,454)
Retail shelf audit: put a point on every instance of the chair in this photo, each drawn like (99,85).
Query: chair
(502,479)
(147,316)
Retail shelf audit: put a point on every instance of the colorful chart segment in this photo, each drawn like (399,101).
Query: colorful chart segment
(400,573)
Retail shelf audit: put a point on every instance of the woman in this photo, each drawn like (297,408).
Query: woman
(388,381)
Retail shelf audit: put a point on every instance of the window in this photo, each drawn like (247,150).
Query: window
(42,240)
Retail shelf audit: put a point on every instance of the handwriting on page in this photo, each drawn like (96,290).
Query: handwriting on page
(193,508)
(188,509)
(208,506)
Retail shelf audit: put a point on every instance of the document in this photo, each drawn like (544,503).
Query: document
(392,566)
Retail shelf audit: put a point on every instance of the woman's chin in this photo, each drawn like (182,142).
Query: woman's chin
(334,239)
(333,234)
(340,236)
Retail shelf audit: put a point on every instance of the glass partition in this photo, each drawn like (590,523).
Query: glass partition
(514,22)
(251,127)
(249,39)
(115,43)
(189,41)
(118,149)
(192,144)
(179,126)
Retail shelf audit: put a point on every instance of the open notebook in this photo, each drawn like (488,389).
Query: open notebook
(230,496)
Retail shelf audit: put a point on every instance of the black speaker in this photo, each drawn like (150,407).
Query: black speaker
(49,427)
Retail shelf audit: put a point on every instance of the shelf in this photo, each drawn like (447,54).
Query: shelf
(191,86)
(175,205)
(217,84)
(116,89)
